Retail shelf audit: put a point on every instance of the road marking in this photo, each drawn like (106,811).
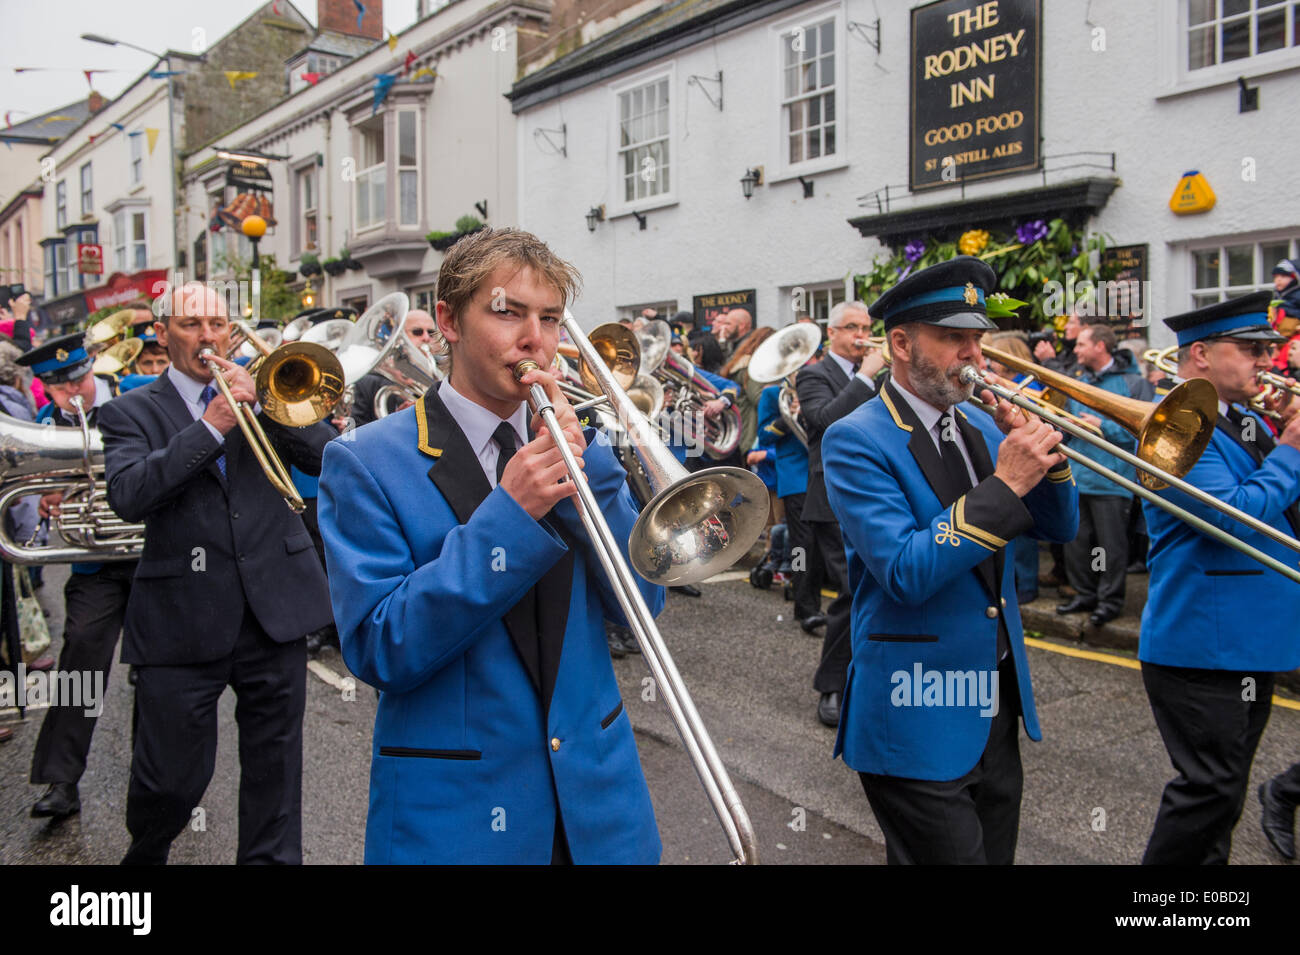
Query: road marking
(326,674)
(1126,662)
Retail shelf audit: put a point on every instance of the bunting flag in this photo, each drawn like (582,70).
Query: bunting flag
(425,71)
(234,76)
(93,137)
(136,133)
(153,137)
(410,59)
(275,7)
(361,12)
(383,84)
(118,126)
(311,78)
(392,42)
(88,74)
(163,74)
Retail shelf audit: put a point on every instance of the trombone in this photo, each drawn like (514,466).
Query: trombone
(297,385)
(1272,382)
(1170,438)
(695,525)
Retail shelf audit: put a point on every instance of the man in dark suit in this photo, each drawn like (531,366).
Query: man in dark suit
(828,391)
(226,588)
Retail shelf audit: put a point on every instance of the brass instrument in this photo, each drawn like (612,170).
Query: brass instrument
(686,391)
(779,359)
(377,343)
(1170,438)
(116,360)
(48,459)
(110,330)
(297,385)
(1272,382)
(696,525)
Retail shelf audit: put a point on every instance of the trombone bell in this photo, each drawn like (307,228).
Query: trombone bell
(298,384)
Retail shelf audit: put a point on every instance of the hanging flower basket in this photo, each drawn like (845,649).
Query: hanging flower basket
(334,266)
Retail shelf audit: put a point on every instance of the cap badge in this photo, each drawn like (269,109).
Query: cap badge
(61,355)
(971,296)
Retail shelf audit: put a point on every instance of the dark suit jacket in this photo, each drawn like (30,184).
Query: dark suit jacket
(212,546)
(826,394)
(363,399)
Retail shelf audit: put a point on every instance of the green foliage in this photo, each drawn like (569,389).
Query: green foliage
(279,301)
(468,223)
(1024,271)
(309,258)
(435,235)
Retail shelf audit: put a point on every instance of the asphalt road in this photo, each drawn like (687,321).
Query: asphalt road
(749,669)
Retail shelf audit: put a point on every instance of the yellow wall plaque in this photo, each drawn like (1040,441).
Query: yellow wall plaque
(1192,195)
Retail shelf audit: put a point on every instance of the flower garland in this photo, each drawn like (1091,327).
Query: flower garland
(1027,259)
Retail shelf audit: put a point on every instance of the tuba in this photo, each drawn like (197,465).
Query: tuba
(43,459)
(686,392)
(779,359)
(377,344)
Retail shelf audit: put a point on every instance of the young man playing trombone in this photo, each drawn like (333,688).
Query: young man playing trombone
(465,589)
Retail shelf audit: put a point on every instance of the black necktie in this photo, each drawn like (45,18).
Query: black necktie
(954,464)
(504,436)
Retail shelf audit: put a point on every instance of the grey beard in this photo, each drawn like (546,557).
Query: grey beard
(933,384)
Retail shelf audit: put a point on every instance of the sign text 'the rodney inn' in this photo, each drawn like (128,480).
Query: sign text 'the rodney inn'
(975,86)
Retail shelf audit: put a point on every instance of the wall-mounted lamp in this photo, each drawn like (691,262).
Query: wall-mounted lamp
(751,178)
(597,214)
(308,297)
(807,187)
(640,219)
(1248,99)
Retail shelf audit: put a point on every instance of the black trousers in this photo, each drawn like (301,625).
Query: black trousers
(1103,522)
(176,748)
(1286,785)
(808,580)
(974,820)
(1211,734)
(837,644)
(94,606)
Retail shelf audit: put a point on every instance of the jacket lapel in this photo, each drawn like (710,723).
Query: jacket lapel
(839,381)
(990,569)
(1257,455)
(921,445)
(173,405)
(458,475)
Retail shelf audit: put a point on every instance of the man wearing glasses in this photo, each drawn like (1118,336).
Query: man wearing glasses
(1218,625)
(420,330)
(828,391)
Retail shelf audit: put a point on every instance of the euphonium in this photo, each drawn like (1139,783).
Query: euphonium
(43,459)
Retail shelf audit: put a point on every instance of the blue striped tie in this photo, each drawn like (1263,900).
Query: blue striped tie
(206,397)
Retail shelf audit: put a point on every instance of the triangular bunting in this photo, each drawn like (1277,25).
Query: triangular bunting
(153,137)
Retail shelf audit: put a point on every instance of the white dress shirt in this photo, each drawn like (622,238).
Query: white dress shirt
(191,392)
(849,370)
(479,425)
(933,420)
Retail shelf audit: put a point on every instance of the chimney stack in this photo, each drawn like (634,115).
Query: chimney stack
(340,16)
(95,102)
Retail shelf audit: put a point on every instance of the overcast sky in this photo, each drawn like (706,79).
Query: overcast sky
(48,33)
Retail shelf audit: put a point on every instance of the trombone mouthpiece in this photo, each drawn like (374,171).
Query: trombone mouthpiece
(524,367)
(970,374)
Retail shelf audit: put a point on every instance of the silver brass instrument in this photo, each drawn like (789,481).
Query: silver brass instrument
(686,392)
(779,359)
(696,525)
(377,344)
(44,459)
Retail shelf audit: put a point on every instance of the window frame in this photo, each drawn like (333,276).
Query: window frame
(359,132)
(1178,78)
(620,206)
(398,168)
(87,177)
(61,203)
(782,168)
(299,172)
(135,157)
(1261,269)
